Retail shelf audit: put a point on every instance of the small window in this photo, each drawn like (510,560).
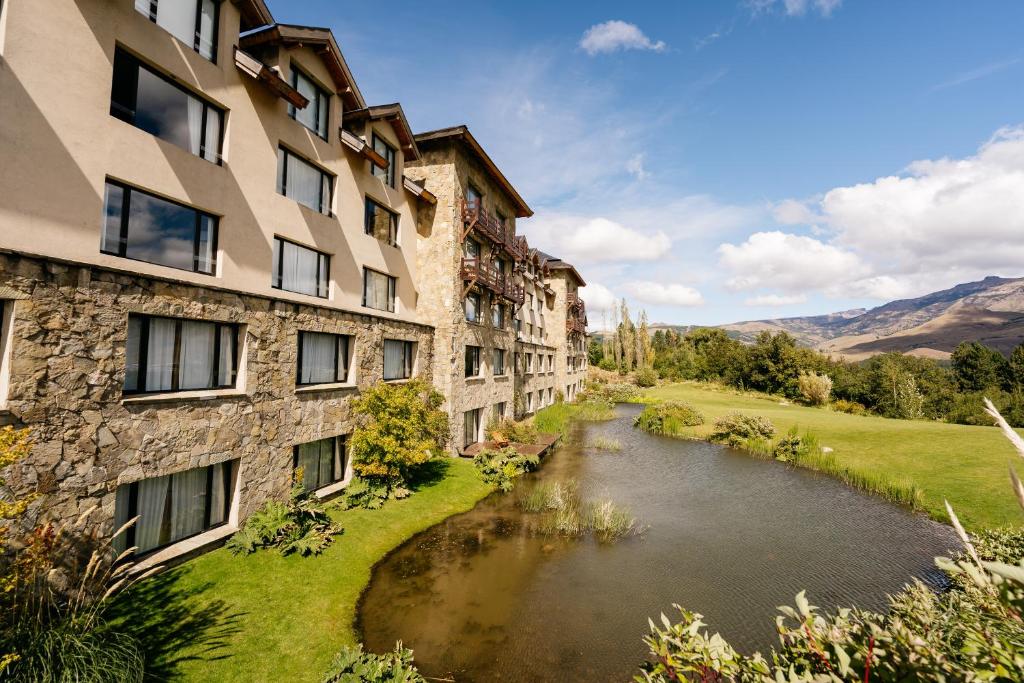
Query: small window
(173,354)
(498,412)
(193,22)
(472,305)
(498,361)
(398,359)
(472,361)
(473,197)
(378,290)
(300,180)
(529,402)
(471,248)
(153,103)
(316,113)
(388,152)
(143,227)
(323,358)
(173,507)
(472,424)
(6,326)
(323,462)
(498,316)
(299,269)
(381,223)
(529,362)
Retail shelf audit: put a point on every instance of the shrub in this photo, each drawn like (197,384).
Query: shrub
(515,432)
(502,467)
(353,665)
(299,526)
(791,447)
(736,428)
(398,428)
(670,418)
(851,407)
(645,377)
(619,392)
(816,389)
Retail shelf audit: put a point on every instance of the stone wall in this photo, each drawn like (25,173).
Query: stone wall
(67,370)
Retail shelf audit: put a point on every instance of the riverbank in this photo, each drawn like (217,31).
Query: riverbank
(963,464)
(266,617)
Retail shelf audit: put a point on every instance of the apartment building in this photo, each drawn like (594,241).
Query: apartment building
(207,247)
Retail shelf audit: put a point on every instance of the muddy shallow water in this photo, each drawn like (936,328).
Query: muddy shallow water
(481,597)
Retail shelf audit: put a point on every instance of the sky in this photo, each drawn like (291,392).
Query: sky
(726,160)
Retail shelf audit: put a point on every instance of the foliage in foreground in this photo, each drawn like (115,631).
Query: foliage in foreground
(501,467)
(353,665)
(973,632)
(669,418)
(736,428)
(301,526)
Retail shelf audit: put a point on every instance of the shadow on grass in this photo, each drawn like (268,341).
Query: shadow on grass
(429,474)
(174,623)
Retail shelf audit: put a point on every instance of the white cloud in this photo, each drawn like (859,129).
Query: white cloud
(774,300)
(976,74)
(661,294)
(795,8)
(615,35)
(793,212)
(635,167)
(583,239)
(792,263)
(600,302)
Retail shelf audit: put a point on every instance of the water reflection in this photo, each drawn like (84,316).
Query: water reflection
(480,597)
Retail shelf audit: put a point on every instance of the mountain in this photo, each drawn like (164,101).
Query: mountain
(990,311)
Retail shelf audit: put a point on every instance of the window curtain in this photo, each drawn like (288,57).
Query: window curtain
(152,500)
(207,25)
(122,503)
(218,493)
(319,358)
(307,116)
(326,461)
(211,151)
(131,351)
(395,359)
(304,182)
(188,503)
(311,459)
(205,256)
(226,362)
(160,354)
(377,286)
(322,113)
(195,126)
(178,17)
(298,272)
(196,365)
(472,427)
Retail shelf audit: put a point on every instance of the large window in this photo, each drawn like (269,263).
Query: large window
(472,361)
(151,102)
(323,358)
(172,354)
(302,181)
(299,269)
(381,223)
(471,425)
(388,152)
(316,113)
(473,307)
(323,462)
(174,506)
(193,22)
(378,290)
(498,362)
(398,359)
(144,227)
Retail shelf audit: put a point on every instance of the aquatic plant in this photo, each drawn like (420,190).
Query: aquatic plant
(670,418)
(566,513)
(353,665)
(501,467)
(610,521)
(549,496)
(736,428)
(604,443)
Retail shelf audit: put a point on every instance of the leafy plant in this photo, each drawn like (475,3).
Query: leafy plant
(353,665)
(670,418)
(371,494)
(645,377)
(515,432)
(502,467)
(301,526)
(850,407)
(736,428)
(815,388)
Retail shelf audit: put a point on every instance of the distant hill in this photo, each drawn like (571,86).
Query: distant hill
(990,311)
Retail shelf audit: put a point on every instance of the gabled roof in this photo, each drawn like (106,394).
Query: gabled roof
(254,14)
(393,114)
(461,133)
(321,40)
(555,263)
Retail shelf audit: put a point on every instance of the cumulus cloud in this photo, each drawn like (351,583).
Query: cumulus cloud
(792,263)
(775,300)
(584,239)
(662,294)
(615,35)
(793,212)
(599,299)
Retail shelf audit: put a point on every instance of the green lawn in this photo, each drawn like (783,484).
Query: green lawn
(966,465)
(265,617)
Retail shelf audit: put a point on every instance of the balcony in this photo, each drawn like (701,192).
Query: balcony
(480,272)
(475,217)
(515,293)
(575,326)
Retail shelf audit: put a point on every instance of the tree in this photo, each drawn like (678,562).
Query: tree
(627,340)
(1017,368)
(773,364)
(645,349)
(977,367)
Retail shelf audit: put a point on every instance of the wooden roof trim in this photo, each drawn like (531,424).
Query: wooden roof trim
(269,77)
(420,191)
(255,13)
(393,114)
(359,146)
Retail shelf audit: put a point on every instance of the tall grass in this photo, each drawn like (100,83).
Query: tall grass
(557,418)
(566,513)
(604,443)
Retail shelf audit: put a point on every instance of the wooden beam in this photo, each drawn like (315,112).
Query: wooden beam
(256,69)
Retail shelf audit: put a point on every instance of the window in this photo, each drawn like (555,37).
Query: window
(6,326)
(381,223)
(299,269)
(378,291)
(144,227)
(316,113)
(529,402)
(498,316)
(151,102)
(173,354)
(529,362)
(551,395)
(323,462)
(472,306)
(193,22)
(471,422)
(473,197)
(388,152)
(498,412)
(302,181)
(398,357)
(472,361)
(323,358)
(174,506)
(471,248)
(498,362)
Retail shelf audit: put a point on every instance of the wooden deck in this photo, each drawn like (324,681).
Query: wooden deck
(545,442)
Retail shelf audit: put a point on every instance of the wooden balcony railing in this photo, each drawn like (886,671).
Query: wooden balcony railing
(483,273)
(476,217)
(575,325)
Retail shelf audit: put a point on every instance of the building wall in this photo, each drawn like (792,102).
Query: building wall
(571,351)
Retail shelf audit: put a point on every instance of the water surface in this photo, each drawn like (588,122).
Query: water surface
(481,597)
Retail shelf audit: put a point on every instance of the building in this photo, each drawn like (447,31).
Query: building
(209,243)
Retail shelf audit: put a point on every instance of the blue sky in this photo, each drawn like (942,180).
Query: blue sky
(729,160)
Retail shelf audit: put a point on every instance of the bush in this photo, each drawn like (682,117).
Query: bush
(792,447)
(398,428)
(669,418)
(353,665)
(816,389)
(299,526)
(619,392)
(371,494)
(737,428)
(645,377)
(851,407)
(502,467)
(514,432)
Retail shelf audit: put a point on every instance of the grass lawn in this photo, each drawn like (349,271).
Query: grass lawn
(966,465)
(265,617)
